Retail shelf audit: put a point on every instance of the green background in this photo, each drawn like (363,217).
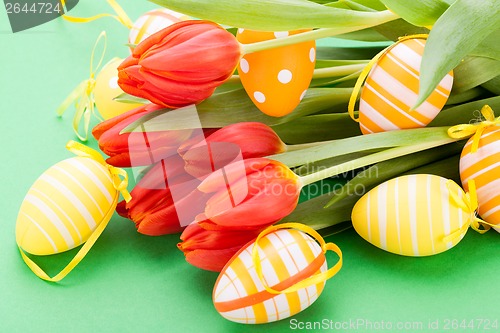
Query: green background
(130,282)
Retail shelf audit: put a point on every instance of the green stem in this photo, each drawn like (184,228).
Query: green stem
(304,145)
(385,16)
(371,159)
(321,73)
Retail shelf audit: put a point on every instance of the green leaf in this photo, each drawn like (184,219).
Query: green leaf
(383,171)
(126,98)
(489,47)
(318,128)
(311,212)
(493,85)
(366,35)
(465,96)
(398,28)
(363,143)
(235,106)
(277,15)
(474,71)
(464,113)
(421,13)
(456,33)
(447,168)
(352,53)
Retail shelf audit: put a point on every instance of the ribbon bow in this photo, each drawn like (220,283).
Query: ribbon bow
(118,175)
(83,95)
(469,204)
(307,280)
(467,130)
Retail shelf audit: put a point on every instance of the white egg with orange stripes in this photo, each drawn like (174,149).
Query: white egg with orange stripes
(414,215)
(152,22)
(391,89)
(287,256)
(64,206)
(483,166)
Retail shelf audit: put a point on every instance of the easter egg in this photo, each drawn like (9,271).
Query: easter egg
(64,206)
(277,79)
(483,166)
(151,22)
(415,215)
(106,89)
(287,256)
(391,89)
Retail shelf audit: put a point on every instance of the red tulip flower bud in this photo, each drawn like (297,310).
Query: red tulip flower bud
(211,249)
(181,64)
(228,144)
(251,193)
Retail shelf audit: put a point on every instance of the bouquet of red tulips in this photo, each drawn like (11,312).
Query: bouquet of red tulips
(251,115)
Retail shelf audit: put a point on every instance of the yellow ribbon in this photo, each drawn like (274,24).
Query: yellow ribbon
(364,73)
(118,175)
(119,184)
(469,204)
(467,130)
(120,16)
(83,95)
(312,280)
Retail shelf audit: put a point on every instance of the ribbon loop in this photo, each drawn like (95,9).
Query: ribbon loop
(83,95)
(121,16)
(364,73)
(311,280)
(476,130)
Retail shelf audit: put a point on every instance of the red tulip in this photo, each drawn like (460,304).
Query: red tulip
(136,148)
(165,200)
(181,64)
(228,144)
(211,249)
(251,193)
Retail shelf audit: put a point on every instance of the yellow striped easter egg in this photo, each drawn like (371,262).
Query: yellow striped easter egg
(151,22)
(391,89)
(415,215)
(286,257)
(483,166)
(276,80)
(107,89)
(64,206)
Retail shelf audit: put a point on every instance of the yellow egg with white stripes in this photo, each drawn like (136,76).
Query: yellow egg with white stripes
(391,89)
(415,215)
(287,256)
(64,206)
(483,166)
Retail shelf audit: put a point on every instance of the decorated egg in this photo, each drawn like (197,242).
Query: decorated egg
(483,166)
(415,215)
(151,22)
(391,89)
(276,79)
(65,205)
(286,258)
(106,89)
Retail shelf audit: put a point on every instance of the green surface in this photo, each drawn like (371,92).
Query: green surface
(133,283)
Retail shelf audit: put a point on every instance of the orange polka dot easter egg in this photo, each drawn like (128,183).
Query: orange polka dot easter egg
(287,276)
(151,22)
(276,79)
(483,166)
(391,89)
(106,89)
